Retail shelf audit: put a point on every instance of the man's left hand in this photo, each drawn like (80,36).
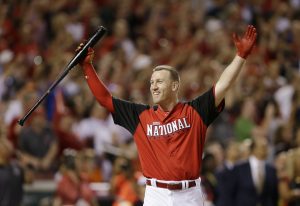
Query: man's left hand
(245,44)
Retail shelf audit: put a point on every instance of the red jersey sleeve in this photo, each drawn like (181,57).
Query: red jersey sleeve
(97,87)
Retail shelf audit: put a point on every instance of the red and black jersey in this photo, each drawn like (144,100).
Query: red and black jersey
(170,145)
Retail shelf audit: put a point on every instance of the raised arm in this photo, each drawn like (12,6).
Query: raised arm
(244,47)
(97,87)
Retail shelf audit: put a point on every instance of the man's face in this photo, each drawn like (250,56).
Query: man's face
(161,87)
(261,148)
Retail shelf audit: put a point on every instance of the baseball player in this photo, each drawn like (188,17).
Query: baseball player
(170,135)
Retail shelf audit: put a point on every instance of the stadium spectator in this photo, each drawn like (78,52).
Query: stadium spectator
(124,183)
(255,181)
(72,189)
(38,144)
(289,186)
(13,175)
(223,174)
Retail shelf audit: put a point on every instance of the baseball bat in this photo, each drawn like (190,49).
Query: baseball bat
(75,60)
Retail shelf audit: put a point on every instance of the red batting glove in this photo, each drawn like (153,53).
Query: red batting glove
(89,57)
(245,44)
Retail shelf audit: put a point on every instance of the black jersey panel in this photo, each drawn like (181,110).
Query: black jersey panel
(205,106)
(126,114)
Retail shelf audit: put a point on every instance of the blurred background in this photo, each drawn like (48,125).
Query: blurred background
(70,152)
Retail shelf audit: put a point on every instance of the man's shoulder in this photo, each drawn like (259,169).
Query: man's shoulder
(270,166)
(242,164)
(117,100)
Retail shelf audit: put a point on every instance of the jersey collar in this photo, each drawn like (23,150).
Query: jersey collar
(164,115)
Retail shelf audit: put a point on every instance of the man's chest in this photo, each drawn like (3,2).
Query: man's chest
(154,128)
(157,125)
(172,136)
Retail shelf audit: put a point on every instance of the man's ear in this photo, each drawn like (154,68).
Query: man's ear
(175,86)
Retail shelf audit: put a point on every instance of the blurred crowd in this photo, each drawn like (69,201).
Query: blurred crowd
(71,139)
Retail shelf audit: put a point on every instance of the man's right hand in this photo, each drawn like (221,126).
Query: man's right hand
(89,57)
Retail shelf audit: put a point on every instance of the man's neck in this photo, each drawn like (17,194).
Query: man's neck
(256,158)
(168,107)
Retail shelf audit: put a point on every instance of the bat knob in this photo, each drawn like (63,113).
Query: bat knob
(21,122)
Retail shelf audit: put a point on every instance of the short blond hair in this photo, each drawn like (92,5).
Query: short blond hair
(174,73)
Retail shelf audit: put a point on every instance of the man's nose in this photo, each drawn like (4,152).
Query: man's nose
(154,86)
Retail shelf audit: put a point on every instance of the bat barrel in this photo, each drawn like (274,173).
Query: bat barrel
(90,43)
